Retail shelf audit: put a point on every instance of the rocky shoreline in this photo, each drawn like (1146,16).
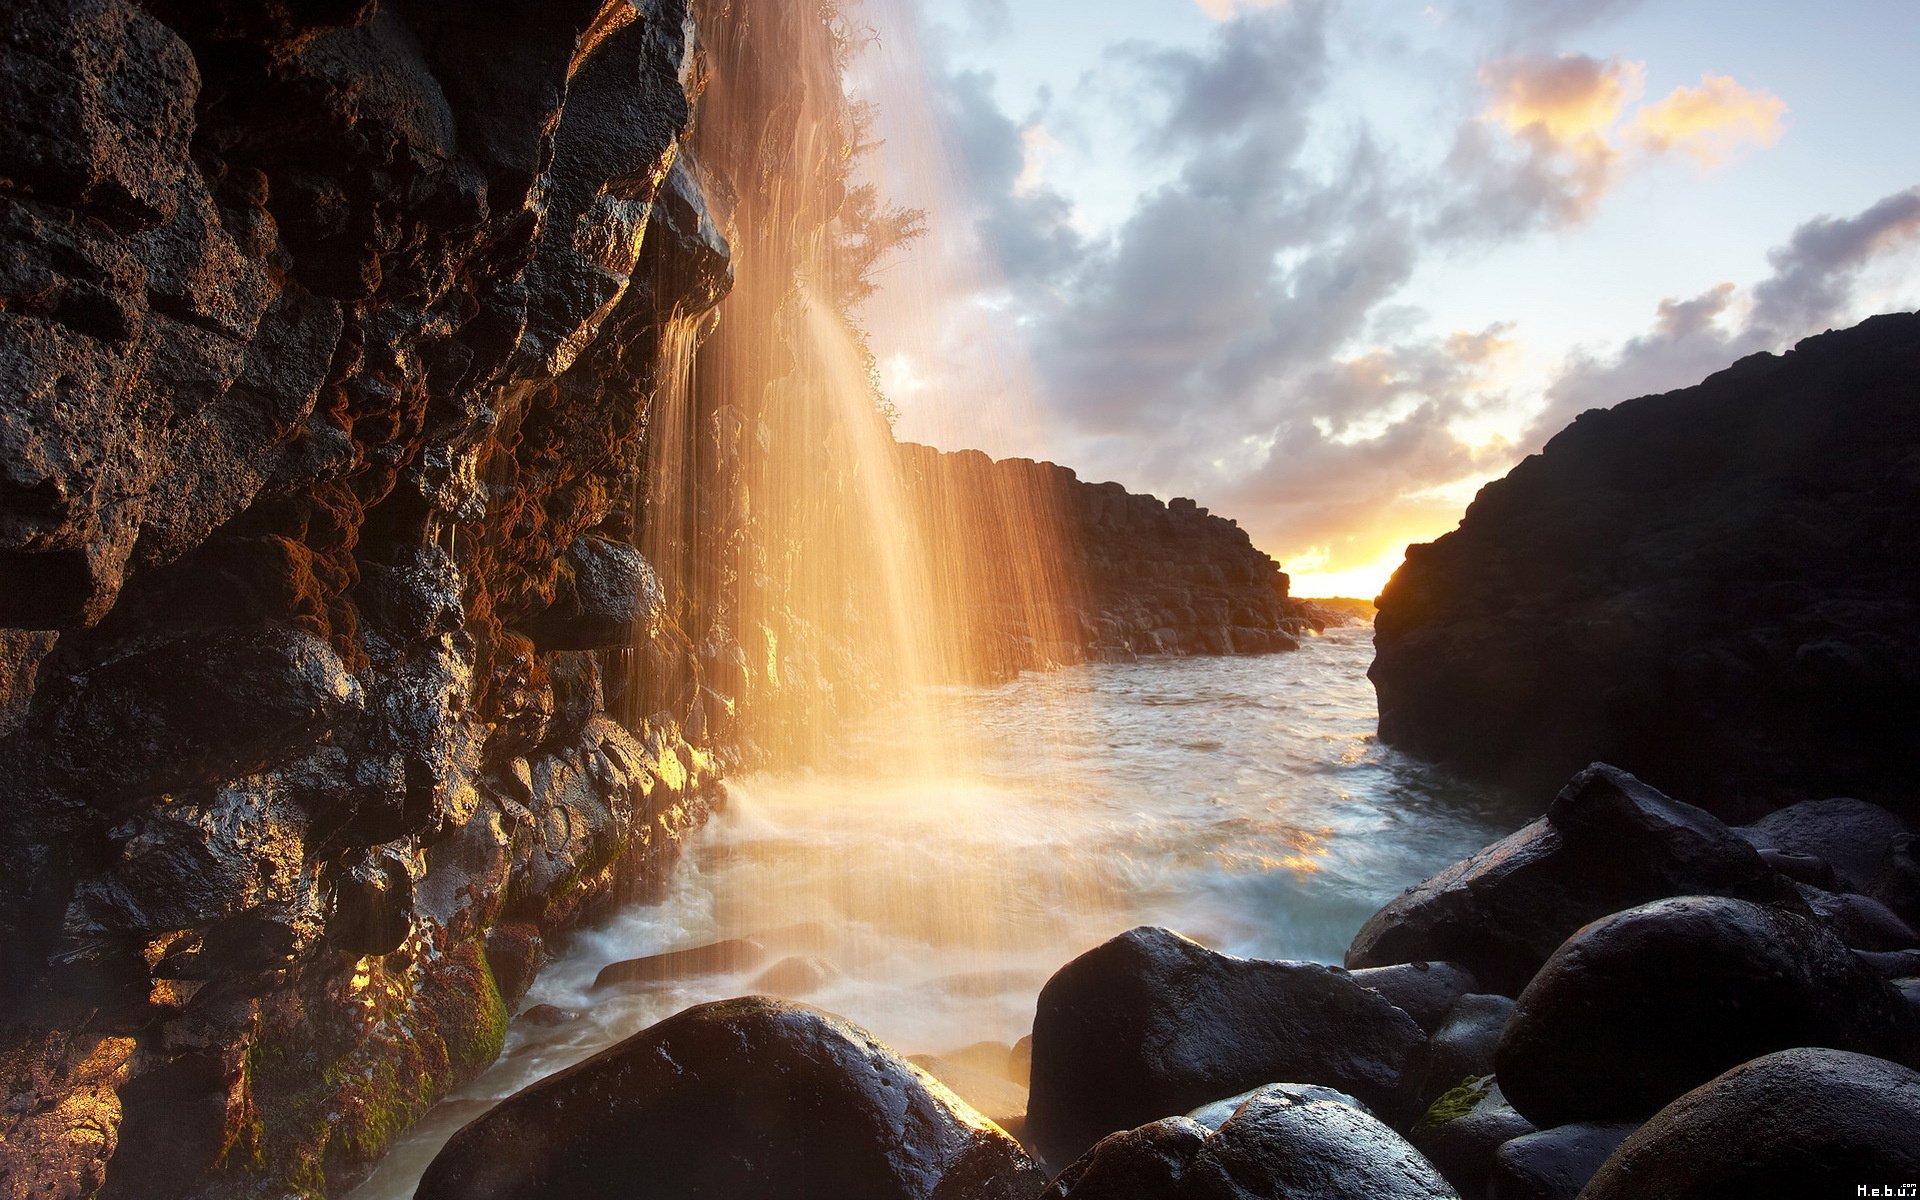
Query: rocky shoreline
(1614,1002)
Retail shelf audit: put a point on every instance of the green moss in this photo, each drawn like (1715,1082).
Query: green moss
(1459,1101)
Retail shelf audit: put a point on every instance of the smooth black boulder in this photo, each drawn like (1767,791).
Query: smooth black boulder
(1464,1046)
(1853,836)
(1425,990)
(740,1098)
(1607,842)
(1464,1129)
(1283,1142)
(1800,1123)
(733,954)
(1553,1164)
(1639,1007)
(1150,1024)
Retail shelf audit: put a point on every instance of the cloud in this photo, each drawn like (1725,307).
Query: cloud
(1813,274)
(1809,289)
(1569,99)
(1711,122)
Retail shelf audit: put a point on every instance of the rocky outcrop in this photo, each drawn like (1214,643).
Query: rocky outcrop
(326,336)
(1715,589)
(1651,988)
(1136,576)
(742,1098)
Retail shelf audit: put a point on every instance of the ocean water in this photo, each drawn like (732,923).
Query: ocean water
(1244,802)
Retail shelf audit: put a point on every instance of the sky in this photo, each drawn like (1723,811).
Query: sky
(1326,266)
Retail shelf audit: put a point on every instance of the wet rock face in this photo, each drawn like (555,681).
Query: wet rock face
(1608,842)
(325,328)
(1282,1142)
(743,1098)
(1149,577)
(1714,589)
(1639,1007)
(1803,1122)
(1151,1024)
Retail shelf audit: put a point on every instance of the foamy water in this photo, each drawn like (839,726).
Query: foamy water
(1243,802)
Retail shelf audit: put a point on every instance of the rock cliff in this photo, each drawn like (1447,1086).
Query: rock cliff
(328,329)
(1715,588)
(1138,576)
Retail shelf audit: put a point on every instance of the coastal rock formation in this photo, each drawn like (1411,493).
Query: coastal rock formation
(1151,1024)
(1282,1142)
(326,331)
(1643,1005)
(1715,589)
(1608,842)
(744,1098)
(1804,1122)
(1136,576)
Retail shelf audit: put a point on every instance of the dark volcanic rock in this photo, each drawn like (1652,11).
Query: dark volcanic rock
(1852,836)
(1715,588)
(1639,1007)
(1148,577)
(1464,1130)
(1800,1123)
(1282,1142)
(734,954)
(1464,1046)
(742,1098)
(1553,1164)
(1426,991)
(1608,842)
(1152,1024)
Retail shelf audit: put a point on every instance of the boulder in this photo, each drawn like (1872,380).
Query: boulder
(1898,884)
(1463,1048)
(1639,1007)
(734,954)
(1607,842)
(740,1098)
(1425,991)
(1553,1164)
(1464,1129)
(1860,921)
(1797,1123)
(992,1094)
(1282,1142)
(1852,836)
(1151,1024)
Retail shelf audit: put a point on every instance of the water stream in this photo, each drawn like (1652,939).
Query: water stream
(1244,802)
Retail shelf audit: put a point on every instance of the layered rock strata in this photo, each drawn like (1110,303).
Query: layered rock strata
(1715,588)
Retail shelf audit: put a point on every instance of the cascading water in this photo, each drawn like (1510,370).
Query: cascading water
(918,833)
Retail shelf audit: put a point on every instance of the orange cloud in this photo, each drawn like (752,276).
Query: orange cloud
(1571,99)
(1711,122)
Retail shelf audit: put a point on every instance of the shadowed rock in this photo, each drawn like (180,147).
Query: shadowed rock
(1639,1007)
(742,1098)
(1150,1024)
(1799,1123)
(1704,587)
(1553,1164)
(1608,842)
(733,954)
(1282,1142)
